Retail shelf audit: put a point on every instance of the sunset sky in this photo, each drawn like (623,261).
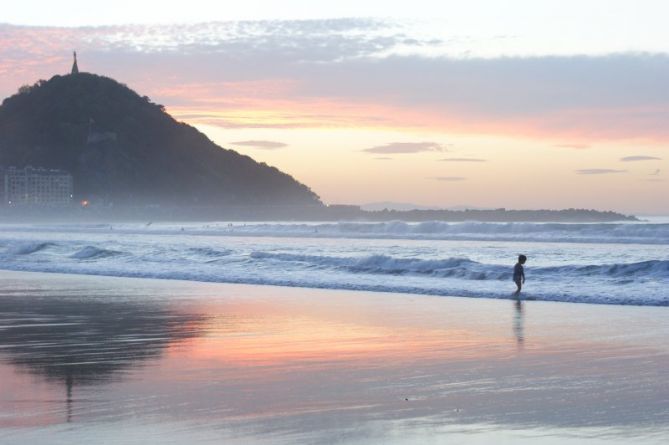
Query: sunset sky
(517,104)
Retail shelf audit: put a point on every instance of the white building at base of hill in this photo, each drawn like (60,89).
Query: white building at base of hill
(37,186)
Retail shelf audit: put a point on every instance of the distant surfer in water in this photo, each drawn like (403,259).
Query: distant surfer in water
(519,273)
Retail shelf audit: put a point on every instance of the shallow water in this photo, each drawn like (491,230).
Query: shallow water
(591,263)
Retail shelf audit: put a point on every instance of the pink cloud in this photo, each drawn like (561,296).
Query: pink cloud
(253,75)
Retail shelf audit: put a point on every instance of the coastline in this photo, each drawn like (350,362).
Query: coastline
(344,287)
(179,360)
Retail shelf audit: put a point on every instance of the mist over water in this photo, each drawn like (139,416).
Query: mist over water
(590,263)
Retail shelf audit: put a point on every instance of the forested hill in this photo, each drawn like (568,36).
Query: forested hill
(123,149)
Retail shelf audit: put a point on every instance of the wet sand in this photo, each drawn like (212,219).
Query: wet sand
(113,360)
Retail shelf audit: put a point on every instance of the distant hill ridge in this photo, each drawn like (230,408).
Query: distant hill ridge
(123,149)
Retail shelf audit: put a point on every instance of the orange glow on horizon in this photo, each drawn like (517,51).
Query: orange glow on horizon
(598,126)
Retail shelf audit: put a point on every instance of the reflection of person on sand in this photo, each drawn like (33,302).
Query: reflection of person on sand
(518,323)
(519,273)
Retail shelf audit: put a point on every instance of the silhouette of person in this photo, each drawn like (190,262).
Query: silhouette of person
(519,274)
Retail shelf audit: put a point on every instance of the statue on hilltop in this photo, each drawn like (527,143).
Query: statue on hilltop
(75,67)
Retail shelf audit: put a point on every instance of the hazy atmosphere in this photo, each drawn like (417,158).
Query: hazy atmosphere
(520,106)
(334,223)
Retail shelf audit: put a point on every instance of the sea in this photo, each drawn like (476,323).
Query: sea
(596,263)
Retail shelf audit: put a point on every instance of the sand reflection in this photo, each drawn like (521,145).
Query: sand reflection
(296,365)
(73,342)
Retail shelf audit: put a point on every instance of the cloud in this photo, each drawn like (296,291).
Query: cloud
(640,158)
(574,146)
(599,171)
(449,178)
(263,145)
(656,172)
(462,160)
(383,158)
(405,147)
(350,72)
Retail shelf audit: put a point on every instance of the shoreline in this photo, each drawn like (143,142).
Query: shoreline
(377,289)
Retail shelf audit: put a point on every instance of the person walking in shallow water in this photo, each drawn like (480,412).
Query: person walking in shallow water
(519,274)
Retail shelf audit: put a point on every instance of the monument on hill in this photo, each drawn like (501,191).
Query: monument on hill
(75,67)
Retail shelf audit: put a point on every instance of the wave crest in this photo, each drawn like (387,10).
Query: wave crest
(617,233)
(464,268)
(28,248)
(94,253)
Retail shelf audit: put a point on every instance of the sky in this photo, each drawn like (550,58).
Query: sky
(516,104)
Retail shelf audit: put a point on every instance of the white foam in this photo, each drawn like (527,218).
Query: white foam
(615,233)
(308,263)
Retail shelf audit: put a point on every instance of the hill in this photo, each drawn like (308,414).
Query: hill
(123,149)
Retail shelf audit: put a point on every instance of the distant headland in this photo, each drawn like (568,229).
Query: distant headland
(123,149)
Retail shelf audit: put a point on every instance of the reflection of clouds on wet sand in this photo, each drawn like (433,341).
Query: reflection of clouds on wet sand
(295,365)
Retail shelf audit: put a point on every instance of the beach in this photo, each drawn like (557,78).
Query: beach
(91,359)
(346,223)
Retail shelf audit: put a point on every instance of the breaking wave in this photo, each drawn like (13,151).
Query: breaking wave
(91,253)
(208,252)
(642,233)
(612,274)
(28,247)
(465,268)
(382,264)
(614,233)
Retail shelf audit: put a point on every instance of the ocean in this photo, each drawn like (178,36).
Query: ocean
(612,263)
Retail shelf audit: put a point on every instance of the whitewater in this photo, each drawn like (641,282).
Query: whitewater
(625,263)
